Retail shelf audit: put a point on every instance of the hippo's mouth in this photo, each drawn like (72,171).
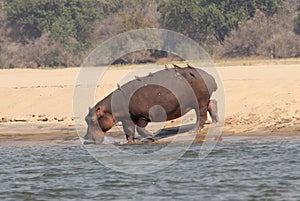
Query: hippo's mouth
(94,135)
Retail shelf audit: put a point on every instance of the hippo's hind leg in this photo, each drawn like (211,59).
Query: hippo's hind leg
(129,129)
(213,110)
(141,124)
(201,117)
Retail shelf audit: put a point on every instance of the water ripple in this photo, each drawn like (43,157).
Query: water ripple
(268,170)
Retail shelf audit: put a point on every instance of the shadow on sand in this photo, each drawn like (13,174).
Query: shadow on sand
(172,131)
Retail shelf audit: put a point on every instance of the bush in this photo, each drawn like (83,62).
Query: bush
(264,36)
(44,51)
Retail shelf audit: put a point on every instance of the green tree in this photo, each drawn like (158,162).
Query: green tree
(202,19)
(64,20)
(297,22)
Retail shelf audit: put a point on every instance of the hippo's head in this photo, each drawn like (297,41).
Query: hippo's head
(95,134)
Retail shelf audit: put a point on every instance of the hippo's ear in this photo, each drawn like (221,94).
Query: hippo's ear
(90,108)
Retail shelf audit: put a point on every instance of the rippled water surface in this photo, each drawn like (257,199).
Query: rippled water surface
(235,170)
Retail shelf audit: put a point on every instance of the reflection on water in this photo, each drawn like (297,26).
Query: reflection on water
(234,170)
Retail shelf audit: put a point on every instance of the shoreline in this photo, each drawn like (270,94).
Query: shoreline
(51,134)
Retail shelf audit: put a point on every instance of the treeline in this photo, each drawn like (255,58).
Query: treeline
(38,33)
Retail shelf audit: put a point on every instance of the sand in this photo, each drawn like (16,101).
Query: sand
(37,105)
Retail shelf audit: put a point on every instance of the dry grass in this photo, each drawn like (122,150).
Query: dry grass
(255,61)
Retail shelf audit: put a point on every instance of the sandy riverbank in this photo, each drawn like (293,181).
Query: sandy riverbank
(260,100)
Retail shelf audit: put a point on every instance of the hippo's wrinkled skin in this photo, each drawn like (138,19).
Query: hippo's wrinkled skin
(165,95)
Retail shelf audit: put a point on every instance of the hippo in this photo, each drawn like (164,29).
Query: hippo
(161,96)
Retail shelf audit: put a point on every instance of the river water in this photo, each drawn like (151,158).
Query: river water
(234,170)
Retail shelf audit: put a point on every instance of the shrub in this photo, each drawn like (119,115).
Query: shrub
(264,36)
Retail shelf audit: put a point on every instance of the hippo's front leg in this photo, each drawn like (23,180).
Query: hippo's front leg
(141,124)
(129,129)
(145,133)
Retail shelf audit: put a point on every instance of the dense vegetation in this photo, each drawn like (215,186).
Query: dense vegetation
(36,33)
(202,19)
